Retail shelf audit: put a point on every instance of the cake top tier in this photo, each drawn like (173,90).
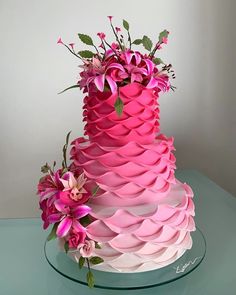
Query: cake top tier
(138,122)
(106,74)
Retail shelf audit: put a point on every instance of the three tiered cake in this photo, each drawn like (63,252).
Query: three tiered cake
(118,206)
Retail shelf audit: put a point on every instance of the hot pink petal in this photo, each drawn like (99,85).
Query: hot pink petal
(128,57)
(99,82)
(81,211)
(64,227)
(150,66)
(53,218)
(112,84)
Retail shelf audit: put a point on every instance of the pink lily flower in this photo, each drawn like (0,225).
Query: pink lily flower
(49,185)
(73,193)
(68,218)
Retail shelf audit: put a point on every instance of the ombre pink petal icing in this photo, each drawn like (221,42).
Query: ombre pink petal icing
(143,215)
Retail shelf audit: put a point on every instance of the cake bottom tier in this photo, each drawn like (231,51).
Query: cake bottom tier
(143,237)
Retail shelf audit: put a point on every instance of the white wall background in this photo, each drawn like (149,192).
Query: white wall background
(34,119)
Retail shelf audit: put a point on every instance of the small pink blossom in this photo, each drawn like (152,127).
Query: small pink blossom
(87,248)
(118,29)
(110,17)
(101,35)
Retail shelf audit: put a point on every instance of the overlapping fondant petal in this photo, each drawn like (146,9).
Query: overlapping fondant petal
(143,215)
(139,121)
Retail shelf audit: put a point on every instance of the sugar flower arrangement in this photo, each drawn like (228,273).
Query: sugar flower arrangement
(63,195)
(116,64)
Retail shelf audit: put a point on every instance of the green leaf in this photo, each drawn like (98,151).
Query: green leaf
(81,262)
(119,105)
(73,86)
(64,163)
(157,61)
(95,190)
(66,246)
(125,24)
(163,34)
(147,43)
(85,39)
(96,260)
(53,235)
(137,41)
(85,221)
(90,279)
(45,168)
(97,246)
(86,54)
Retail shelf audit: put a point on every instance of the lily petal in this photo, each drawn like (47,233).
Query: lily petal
(150,66)
(64,227)
(152,83)
(81,211)
(116,65)
(99,82)
(53,218)
(77,226)
(112,84)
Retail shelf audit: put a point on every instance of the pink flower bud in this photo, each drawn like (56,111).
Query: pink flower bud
(164,40)
(101,35)
(59,41)
(72,45)
(110,17)
(118,29)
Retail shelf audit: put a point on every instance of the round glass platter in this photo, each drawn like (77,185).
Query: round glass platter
(189,261)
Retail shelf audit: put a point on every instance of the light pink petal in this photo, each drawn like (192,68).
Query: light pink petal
(152,83)
(60,206)
(64,227)
(81,211)
(72,181)
(77,226)
(115,65)
(53,218)
(112,84)
(142,71)
(99,82)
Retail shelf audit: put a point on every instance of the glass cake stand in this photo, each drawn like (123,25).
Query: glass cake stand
(190,260)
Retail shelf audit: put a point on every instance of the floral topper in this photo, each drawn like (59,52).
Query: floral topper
(62,198)
(116,64)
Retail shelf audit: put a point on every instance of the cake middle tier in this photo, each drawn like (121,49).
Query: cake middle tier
(138,121)
(133,174)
